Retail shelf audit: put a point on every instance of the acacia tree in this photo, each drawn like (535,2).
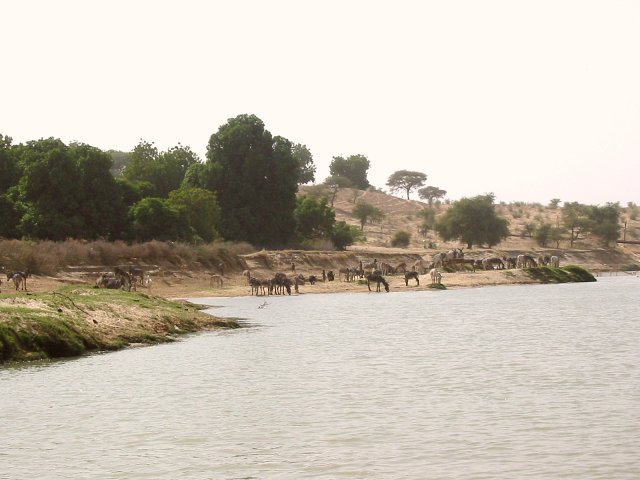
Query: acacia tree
(576,220)
(430,194)
(256,179)
(606,222)
(473,221)
(335,183)
(406,180)
(364,211)
(354,167)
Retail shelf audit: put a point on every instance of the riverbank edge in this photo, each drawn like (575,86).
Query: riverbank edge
(76,320)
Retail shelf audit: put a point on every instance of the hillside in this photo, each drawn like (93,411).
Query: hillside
(402,214)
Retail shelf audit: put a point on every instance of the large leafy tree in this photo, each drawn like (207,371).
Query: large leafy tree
(102,208)
(306,167)
(406,180)
(354,167)
(10,173)
(10,170)
(201,210)
(473,221)
(430,194)
(256,179)
(164,170)
(52,190)
(67,191)
(156,219)
(314,218)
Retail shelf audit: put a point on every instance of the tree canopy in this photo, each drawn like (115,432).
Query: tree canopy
(164,170)
(354,167)
(256,179)
(473,221)
(364,212)
(314,218)
(430,193)
(406,180)
(306,167)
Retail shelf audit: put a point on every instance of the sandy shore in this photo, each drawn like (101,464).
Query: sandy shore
(185,285)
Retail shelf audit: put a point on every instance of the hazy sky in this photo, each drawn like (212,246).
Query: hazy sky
(529,100)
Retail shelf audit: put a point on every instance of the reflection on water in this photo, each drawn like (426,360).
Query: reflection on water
(503,382)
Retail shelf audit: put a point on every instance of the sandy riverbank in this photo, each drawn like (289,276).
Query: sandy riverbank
(182,285)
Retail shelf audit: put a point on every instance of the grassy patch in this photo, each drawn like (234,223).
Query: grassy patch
(74,320)
(569,273)
(437,286)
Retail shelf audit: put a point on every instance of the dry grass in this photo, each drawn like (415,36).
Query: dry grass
(48,258)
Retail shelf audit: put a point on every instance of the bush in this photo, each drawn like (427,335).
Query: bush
(401,239)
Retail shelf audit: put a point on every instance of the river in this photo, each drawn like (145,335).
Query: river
(526,382)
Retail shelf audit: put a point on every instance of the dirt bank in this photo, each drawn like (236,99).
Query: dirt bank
(191,281)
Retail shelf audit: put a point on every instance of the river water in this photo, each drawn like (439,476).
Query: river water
(517,382)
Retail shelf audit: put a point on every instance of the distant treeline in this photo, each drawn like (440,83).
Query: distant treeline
(245,190)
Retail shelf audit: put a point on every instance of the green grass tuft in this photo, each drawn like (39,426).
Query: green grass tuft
(569,273)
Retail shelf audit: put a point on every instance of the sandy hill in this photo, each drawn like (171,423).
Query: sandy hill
(402,214)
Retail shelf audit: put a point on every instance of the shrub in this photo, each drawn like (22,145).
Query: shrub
(401,239)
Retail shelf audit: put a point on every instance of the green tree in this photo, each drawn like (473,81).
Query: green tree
(575,217)
(605,222)
(52,191)
(555,235)
(10,171)
(405,180)
(201,210)
(430,194)
(155,219)
(554,203)
(344,235)
(542,234)
(354,167)
(102,208)
(256,179)
(314,218)
(473,221)
(306,167)
(364,211)
(335,183)
(428,216)
(164,170)
(401,239)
